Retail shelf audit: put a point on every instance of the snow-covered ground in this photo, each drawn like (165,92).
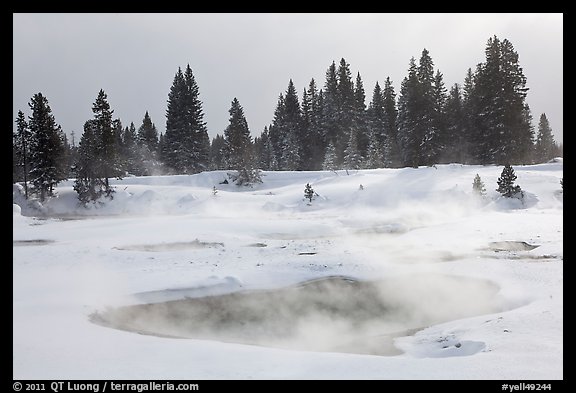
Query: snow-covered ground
(164,238)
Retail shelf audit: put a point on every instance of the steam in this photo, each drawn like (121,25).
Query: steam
(335,314)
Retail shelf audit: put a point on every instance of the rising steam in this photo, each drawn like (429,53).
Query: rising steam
(330,314)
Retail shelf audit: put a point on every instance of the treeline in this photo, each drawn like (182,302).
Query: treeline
(485,120)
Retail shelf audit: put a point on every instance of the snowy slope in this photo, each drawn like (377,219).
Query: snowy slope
(169,237)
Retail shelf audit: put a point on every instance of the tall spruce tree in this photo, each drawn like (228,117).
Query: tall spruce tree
(360,117)
(330,162)
(98,153)
(427,111)
(545,144)
(455,127)
(352,157)
(330,112)
(186,147)
(391,148)
(109,163)
(287,132)
(275,133)
(21,151)
(131,154)
(217,152)
(409,127)
(436,137)
(500,115)
(72,155)
(291,131)
(148,145)
(89,184)
(239,148)
(346,107)
(374,156)
(199,141)
(377,125)
(47,151)
(173,147)
(147,134)
(313,145)
(470,130)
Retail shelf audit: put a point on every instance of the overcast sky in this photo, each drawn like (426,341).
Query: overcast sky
(134,57)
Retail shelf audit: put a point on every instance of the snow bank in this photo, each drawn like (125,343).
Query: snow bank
(445,187)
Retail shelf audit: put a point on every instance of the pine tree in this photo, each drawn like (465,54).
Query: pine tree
(89,184)
(131,153)
(346,107)
(147,134)
(545,144)
(500,116)
(70,155)
(118,131)
(430,137)
(148,145)
(506,181)
(264,151)
(478,186)
(330,113)
(186,147)
(21,150)
(266,154)
(313,142)
(287,132)
(409,129)
(98,153)
(436,137)
(374,156)
(360,117)
(197,140)
(109,163)
(291,127)
(217,152)
(352,157)
(162,154)
(470,130)
(275,132)
(173,150)
(308,192)
(273,164)
(391,148)
(330,158)
(456,144)
(377,137)
(239,149)
(47,154)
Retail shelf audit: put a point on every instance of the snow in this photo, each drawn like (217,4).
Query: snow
(165,238)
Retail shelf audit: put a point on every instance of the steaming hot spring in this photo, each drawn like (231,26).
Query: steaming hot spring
(334,314)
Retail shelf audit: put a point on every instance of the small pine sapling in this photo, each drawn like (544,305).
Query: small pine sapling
(506,185)
(478,186)
(309,192)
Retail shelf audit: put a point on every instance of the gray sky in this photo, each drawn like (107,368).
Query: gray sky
(134,57)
